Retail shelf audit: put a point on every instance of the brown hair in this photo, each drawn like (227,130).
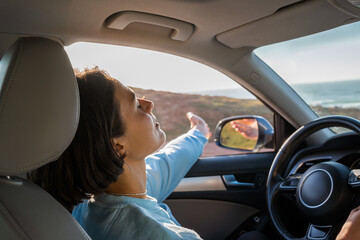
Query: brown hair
(90,164)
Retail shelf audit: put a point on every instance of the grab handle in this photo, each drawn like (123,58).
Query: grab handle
(181,30)
(231,181)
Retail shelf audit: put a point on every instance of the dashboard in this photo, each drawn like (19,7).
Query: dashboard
(343,148)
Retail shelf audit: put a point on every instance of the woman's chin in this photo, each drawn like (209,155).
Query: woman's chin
(163,136)
(162,139)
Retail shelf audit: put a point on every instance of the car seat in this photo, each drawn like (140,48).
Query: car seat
(39,112)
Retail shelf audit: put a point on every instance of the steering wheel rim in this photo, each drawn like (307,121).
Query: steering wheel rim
(283,157)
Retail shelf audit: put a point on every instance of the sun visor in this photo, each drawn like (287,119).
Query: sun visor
(286,24)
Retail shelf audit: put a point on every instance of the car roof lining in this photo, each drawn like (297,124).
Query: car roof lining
(83,20)
(217,40)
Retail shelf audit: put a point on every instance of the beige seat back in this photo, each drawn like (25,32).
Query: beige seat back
(39,112)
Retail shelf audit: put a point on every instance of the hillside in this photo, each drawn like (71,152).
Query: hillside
(171,108)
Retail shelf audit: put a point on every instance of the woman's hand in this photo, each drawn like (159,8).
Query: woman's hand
(351,228)
(199,124)
(248,128)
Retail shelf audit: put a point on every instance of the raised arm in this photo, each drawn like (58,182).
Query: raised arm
(166,168)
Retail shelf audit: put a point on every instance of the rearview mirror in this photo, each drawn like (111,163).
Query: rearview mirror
(244,133)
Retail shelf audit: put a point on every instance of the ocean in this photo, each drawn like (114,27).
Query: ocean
(344,94)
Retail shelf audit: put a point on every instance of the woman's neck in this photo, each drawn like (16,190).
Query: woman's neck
(132,182)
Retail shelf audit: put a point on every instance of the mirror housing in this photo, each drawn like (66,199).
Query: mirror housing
(247,132)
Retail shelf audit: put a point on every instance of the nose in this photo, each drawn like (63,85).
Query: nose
(147,105)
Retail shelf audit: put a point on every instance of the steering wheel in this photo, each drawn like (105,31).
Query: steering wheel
(323,193)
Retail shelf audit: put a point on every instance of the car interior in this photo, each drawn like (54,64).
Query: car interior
(221,197)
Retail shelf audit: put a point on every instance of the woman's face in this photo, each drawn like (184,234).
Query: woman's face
(143,134)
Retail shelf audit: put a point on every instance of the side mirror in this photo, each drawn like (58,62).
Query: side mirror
(244,133)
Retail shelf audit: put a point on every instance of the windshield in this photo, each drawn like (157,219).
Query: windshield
(322,68)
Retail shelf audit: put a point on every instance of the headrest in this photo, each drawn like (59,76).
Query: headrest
(39,105)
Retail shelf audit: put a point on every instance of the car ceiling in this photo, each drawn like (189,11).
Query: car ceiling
(221,27)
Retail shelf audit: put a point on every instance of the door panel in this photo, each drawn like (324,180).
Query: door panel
(231,164)
(211,219)
(220,193)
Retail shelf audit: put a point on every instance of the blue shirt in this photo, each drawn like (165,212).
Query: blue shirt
(119,217)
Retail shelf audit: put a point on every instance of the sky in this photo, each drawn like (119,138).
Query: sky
(149,69)
(330,56)
(333,55)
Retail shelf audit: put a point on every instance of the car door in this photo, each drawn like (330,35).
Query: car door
(223,195)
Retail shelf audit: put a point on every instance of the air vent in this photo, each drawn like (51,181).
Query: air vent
(306,165)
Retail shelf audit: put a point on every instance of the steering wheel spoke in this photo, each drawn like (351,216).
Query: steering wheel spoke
(354,180)
(319,232)
(290,184)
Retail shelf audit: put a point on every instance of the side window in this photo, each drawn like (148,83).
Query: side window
(176,86)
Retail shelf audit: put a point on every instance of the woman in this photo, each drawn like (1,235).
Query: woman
(107,163)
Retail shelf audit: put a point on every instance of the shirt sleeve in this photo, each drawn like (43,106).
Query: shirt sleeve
(166,168)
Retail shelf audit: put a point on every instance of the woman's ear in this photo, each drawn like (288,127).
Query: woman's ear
(119,145)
